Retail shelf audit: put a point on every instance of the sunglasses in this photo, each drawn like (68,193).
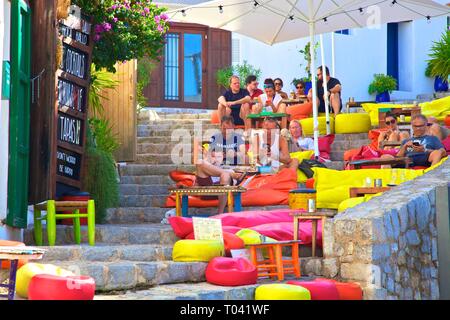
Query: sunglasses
(389,122)
(277,83)
(429,124)
(421,126)
(299,87)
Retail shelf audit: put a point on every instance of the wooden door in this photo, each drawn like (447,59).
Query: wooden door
(19,117)
(120,109)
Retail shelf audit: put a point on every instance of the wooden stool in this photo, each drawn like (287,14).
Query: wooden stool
(52,207)
(274,266)
(314,217)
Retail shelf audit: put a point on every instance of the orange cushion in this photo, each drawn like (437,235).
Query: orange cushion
(215,117)
(300,111)
(447,120)
(349,154)
(6,243)
(347,290)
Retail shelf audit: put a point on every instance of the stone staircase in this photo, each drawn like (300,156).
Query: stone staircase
(133,249)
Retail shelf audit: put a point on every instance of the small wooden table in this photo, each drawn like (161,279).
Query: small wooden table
(14,254)
(257,117)
(274,266)
(314,217)
(361,191)
(233,195)
(290,101)
(377,161)
(356,104)
(407,111)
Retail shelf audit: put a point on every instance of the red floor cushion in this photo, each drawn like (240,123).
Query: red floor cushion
(50,287)
(347,290)
(447,120)
(320,290)
(215,117)
(231,272)
(300,111)
(325,143)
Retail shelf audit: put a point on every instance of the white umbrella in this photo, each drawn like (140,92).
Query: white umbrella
(273,21)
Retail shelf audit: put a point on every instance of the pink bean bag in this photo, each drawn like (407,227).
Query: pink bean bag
(320,290)
(231,272)
(347,290)
(276,224)
(50,287)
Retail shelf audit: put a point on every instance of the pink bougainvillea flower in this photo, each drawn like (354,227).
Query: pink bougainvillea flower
(160,28)
(164,16)
(106,26)
(157,19)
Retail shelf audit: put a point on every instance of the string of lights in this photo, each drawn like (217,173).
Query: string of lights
(362,10)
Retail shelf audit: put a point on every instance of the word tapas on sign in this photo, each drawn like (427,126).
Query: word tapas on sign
(69,129)
(68,163)
(74,62)
(71,95)
(74,34)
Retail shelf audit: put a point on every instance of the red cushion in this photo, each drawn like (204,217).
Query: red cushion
(215,117)
(447,120)
(446,143)
(181,226)
(310,183)
(325,143)
(231,241)
(50,287)
(320,290)
(231,272)
(347,290)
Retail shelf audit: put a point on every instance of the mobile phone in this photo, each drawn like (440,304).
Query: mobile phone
(416,144)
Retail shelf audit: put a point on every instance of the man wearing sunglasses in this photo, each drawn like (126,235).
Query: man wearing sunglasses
(333,92)
(423,149)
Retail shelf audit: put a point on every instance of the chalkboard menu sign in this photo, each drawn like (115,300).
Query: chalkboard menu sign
(71,89)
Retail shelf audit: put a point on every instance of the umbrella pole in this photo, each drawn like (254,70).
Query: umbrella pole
(314,88)
(324,82)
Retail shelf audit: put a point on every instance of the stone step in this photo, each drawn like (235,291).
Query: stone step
(344,145)
(337,156)
(151,233)
(336,165)
(176,115)
(123,275)
(350,136)
(152,169)
(142,189)
(198,125)
(186,291)
(107,253)
(151,158)
(162,180)
(135,215)
(162,148)
(179,135)
(155,215)
(142,200)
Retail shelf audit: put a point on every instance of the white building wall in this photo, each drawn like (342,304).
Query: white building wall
(358,57)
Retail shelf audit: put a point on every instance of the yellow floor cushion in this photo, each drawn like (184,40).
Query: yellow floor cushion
(308,126)
(197,250)
(300,156)
(333,185)
(29,270)
(280,291)
(352,123)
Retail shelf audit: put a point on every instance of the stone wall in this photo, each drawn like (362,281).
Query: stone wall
(389,244)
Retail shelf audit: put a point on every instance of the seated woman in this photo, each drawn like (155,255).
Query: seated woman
(393,133)
(270,101)
(271,149)
(296,142)
(300,90)
(278,86)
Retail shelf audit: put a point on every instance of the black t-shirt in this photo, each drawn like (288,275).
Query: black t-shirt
(330,85)
(230,96)
(219,143)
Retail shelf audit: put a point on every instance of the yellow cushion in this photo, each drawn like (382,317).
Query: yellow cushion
(29,270)
(350,203)
(250,236)
(308,126)
(300,156)
(197,250)
(333,185)
(352,123)
(280,291)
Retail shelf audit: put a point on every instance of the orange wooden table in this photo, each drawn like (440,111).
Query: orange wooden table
(274,266)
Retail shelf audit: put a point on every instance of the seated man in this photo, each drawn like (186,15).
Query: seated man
(424,150)
(434,129)
(334,92)
(393,133)
(297,142)
(226,147)
(271,149)
(235,102)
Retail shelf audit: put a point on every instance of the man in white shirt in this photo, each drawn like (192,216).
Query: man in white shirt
(297,142)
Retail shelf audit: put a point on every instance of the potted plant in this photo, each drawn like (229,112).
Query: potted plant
(439,64)
(382,85)
(306,51)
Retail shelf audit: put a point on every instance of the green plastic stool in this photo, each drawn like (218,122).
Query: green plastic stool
(52,207)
